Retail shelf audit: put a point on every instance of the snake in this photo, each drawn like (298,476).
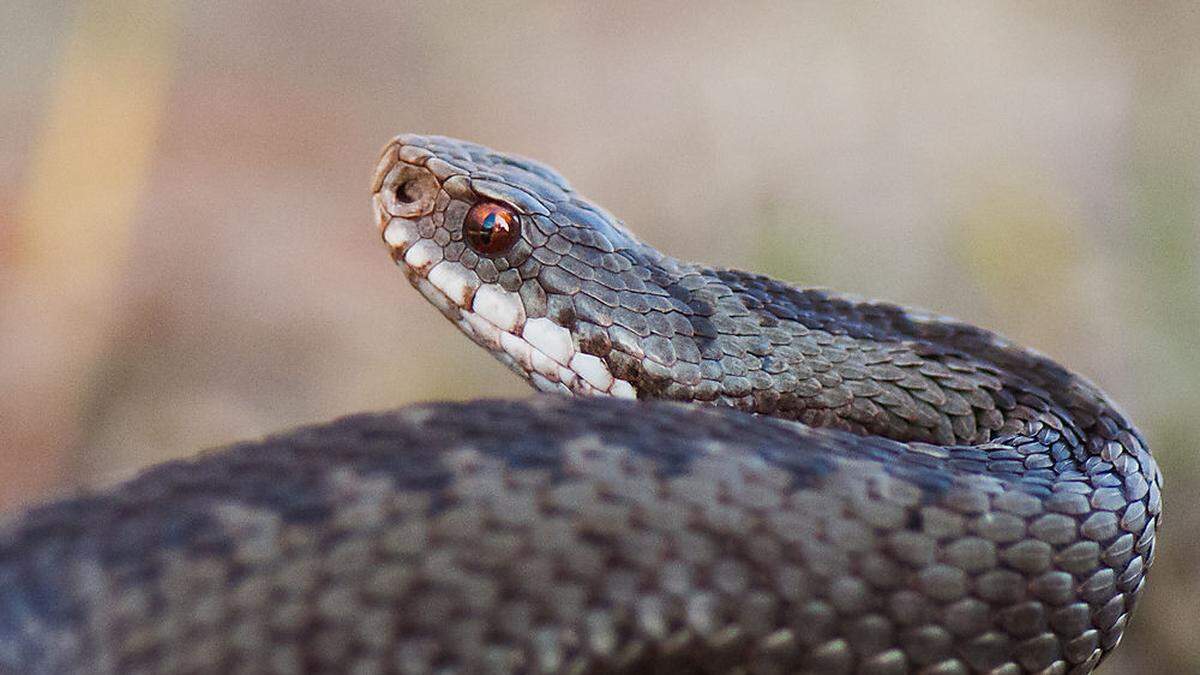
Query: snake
(719,472)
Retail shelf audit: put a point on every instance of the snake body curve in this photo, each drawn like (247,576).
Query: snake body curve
(808,482)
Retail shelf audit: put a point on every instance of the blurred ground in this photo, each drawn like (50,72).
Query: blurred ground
(187,257)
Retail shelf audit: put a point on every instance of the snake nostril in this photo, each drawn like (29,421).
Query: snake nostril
(407,192)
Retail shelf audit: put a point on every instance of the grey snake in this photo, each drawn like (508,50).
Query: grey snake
(804,482)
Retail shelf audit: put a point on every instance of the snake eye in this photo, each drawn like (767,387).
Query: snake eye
(491,228)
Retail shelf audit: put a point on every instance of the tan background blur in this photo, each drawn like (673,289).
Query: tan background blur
(187,256)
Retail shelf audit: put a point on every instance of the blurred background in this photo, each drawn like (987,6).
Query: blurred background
(187,256)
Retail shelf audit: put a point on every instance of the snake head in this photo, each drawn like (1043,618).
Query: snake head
(509,252)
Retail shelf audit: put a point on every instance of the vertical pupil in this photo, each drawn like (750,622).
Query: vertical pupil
(489,226)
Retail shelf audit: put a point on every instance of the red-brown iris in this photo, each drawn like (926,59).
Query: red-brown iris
(491,228)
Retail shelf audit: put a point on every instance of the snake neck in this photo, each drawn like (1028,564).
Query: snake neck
(763,346)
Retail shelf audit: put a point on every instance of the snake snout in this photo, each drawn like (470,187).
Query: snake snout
(405,193)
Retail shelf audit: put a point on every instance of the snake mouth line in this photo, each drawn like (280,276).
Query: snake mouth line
(534,347)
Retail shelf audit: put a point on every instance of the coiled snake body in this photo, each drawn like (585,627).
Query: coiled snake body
(808,482)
